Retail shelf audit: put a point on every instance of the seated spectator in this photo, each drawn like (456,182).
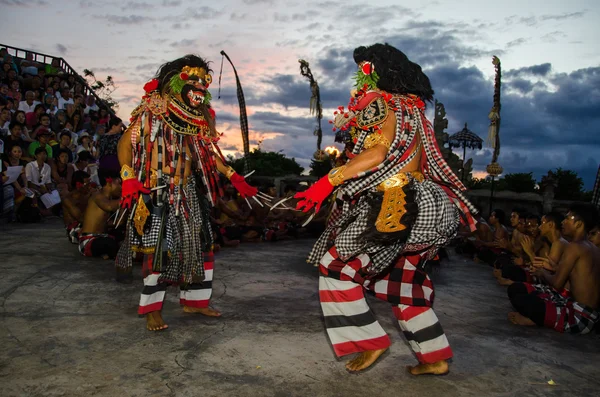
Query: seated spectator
(90,102)
(468,239)
(19,117)
(33,118)
(15,139)
(29,104)
(39,177)
(104,117)
(489,251)
(94,240)
(594,236)
(76,122)
(43,137)
(74,205)
(85,144)
(64,143)
(5,119)
(15,192)
(4,90)
(50,104)
(65,98)
(550,230)
(62,172)
(91,125)
(59,122)
(573,310)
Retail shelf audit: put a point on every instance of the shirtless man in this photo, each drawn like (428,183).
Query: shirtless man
(94,241)
(552,305)
(594,236)
(489,251)
(550,231)
(74,205)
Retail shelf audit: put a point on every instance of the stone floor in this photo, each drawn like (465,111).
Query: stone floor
(67,329)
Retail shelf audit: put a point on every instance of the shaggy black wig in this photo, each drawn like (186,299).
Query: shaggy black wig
(167,70)
(397,74)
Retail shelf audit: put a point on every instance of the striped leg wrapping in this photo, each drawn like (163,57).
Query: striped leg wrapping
(153,294)
(198,294)
(350,324)
(424,333)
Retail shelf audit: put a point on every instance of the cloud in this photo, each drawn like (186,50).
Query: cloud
(516,42)
(561,17)
(195,14)
(62,50)
(535,70)
(23,3)
(125,19)
(183,43)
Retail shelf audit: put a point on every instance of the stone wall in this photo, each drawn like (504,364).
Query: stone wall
(506,200)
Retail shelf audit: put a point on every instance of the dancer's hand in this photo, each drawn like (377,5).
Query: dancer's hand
(314,195)
(239,183)
(130,192)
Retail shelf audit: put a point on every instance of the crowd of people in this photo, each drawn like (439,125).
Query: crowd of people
(59,159)
(550,264)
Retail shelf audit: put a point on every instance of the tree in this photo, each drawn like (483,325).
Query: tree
(569,186)
(268,164)
(520,182)
(104,89)
(320,168)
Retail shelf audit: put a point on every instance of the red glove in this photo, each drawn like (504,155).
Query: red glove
(239,182)
(130,192)
(314,195)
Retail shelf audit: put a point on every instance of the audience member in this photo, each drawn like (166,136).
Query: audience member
(94,239)
(43,137)
(107,146)
(64,143)
(62,172)
(29,104)
(575,309)
(74,205)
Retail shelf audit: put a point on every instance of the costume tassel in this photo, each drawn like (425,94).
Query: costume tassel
(243,115)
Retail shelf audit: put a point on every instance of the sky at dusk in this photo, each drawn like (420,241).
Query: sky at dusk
(549,52)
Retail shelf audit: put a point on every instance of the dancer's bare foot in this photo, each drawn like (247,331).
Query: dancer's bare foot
(155,322)
(206,311)
(105,257)
(497,273)
(437,368)
(505,281)
(364,360)
(519,319)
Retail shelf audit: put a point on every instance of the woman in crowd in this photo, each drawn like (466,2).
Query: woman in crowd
(107,146)
(85,143)
(62,172)
(19,117)
(15,192)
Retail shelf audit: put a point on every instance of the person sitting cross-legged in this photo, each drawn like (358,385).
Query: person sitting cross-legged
(550,231)
(94,239)
(573,310)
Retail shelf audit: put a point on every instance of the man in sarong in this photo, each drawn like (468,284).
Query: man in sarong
(170,158)
(397,202)
(569,299)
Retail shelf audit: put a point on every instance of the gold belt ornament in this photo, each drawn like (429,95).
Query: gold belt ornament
(393,206)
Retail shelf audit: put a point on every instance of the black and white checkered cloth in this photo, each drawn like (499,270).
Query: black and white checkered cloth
(183,236)
(436,224)
(438,217)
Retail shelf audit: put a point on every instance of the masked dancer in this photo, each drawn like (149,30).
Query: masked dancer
(170,158)
(396,203)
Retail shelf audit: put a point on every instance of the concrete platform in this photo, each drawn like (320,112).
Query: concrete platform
(68,329)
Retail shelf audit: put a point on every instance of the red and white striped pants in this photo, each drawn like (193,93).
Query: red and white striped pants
(352,327)
(194,295)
